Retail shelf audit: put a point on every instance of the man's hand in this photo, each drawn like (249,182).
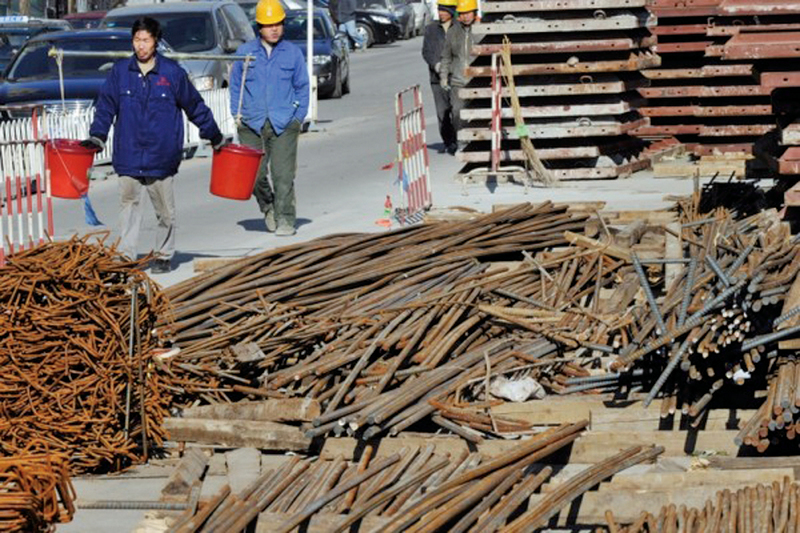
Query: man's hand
(437,67)
(93,143)
(219,142)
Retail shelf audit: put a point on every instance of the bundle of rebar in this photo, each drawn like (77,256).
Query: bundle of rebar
(35,493)
(369,325)
(774,507)
(410,490)
(74,371)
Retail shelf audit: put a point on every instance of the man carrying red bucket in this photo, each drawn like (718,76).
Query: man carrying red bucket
(270,108)
(147,95)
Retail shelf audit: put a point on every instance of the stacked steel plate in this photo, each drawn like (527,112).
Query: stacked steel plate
(576,66)
(718,70)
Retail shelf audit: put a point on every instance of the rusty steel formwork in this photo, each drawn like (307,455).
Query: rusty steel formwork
(721,61)
(576,67)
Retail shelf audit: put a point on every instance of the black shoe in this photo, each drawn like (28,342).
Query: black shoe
(452,149)
(160,266)
(442,149)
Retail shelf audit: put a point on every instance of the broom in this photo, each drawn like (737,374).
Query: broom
(536,168)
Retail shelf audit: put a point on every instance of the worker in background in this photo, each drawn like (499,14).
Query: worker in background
(432,46)
(273,107)
(343,13)
(456,57)
(145,97)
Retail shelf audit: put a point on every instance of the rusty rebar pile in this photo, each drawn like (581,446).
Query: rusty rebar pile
(774,507)
(70,371)
(35,493)
(369,325)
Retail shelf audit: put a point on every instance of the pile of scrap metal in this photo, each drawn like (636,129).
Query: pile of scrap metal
(35,493)
(721,60)
(416,490)
(774,507)
(73,375)
(409,329)
(575,66)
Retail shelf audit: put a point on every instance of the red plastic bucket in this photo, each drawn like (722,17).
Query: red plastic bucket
(233,171)
(69,164)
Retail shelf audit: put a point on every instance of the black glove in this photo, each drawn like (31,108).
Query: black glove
(93,143)
(219,142)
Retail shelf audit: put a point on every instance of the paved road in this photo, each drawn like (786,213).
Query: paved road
(340,184)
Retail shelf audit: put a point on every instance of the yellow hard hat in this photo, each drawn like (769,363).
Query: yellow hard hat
(447,3)
(465,6)
(269,12)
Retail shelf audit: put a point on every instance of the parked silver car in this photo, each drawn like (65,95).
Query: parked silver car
(422,15)
(205,27)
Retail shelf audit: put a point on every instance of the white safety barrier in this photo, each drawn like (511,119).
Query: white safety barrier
(412,156)
(26,208)
(26,213)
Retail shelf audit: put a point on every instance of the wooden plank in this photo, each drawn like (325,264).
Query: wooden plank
(205,264)
(319,523)
(674,248)
(237,434)
(244,467)
(273,410)
(591,447)
(752,463)
(696,478)
(188,470)
(628,504)
(609,249)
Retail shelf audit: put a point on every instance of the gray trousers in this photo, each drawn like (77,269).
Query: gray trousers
(444,113)
(458,104)
(280,164)
(162,196)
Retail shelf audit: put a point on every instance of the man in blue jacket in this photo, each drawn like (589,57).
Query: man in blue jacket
(145,97)
(274,103)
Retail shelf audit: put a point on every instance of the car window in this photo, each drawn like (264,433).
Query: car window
(185,32)
(12,40)
(374,5)
(33,62)
(222,24)
(295,28)
(240,24)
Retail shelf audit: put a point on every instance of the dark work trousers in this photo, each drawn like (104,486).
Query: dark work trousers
(458,104)
(280,164)
(444,113)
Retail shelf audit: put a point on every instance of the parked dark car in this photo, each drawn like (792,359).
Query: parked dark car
(331,56)
(377,25)
(86,20)
(16,30)
(406,15)
(32,76)
(204,27)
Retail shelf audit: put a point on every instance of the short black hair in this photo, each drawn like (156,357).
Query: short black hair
(148,24)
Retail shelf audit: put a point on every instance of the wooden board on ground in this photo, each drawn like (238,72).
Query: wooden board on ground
(284,410)
(237,434)
(451,214)
(591,447)
(206,264)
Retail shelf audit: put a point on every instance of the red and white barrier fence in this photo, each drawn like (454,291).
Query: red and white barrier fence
(412,156)
(497,111)
(26,207)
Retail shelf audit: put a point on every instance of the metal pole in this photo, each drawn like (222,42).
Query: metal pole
(310,58)
(178,56)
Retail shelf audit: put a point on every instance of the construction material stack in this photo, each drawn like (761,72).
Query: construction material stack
(718,72)
(576,68)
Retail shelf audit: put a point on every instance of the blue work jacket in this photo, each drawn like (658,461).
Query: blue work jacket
(275,88)
(148,132)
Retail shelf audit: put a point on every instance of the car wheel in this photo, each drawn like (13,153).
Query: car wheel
(337,85)
(346,84)
(366,34)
